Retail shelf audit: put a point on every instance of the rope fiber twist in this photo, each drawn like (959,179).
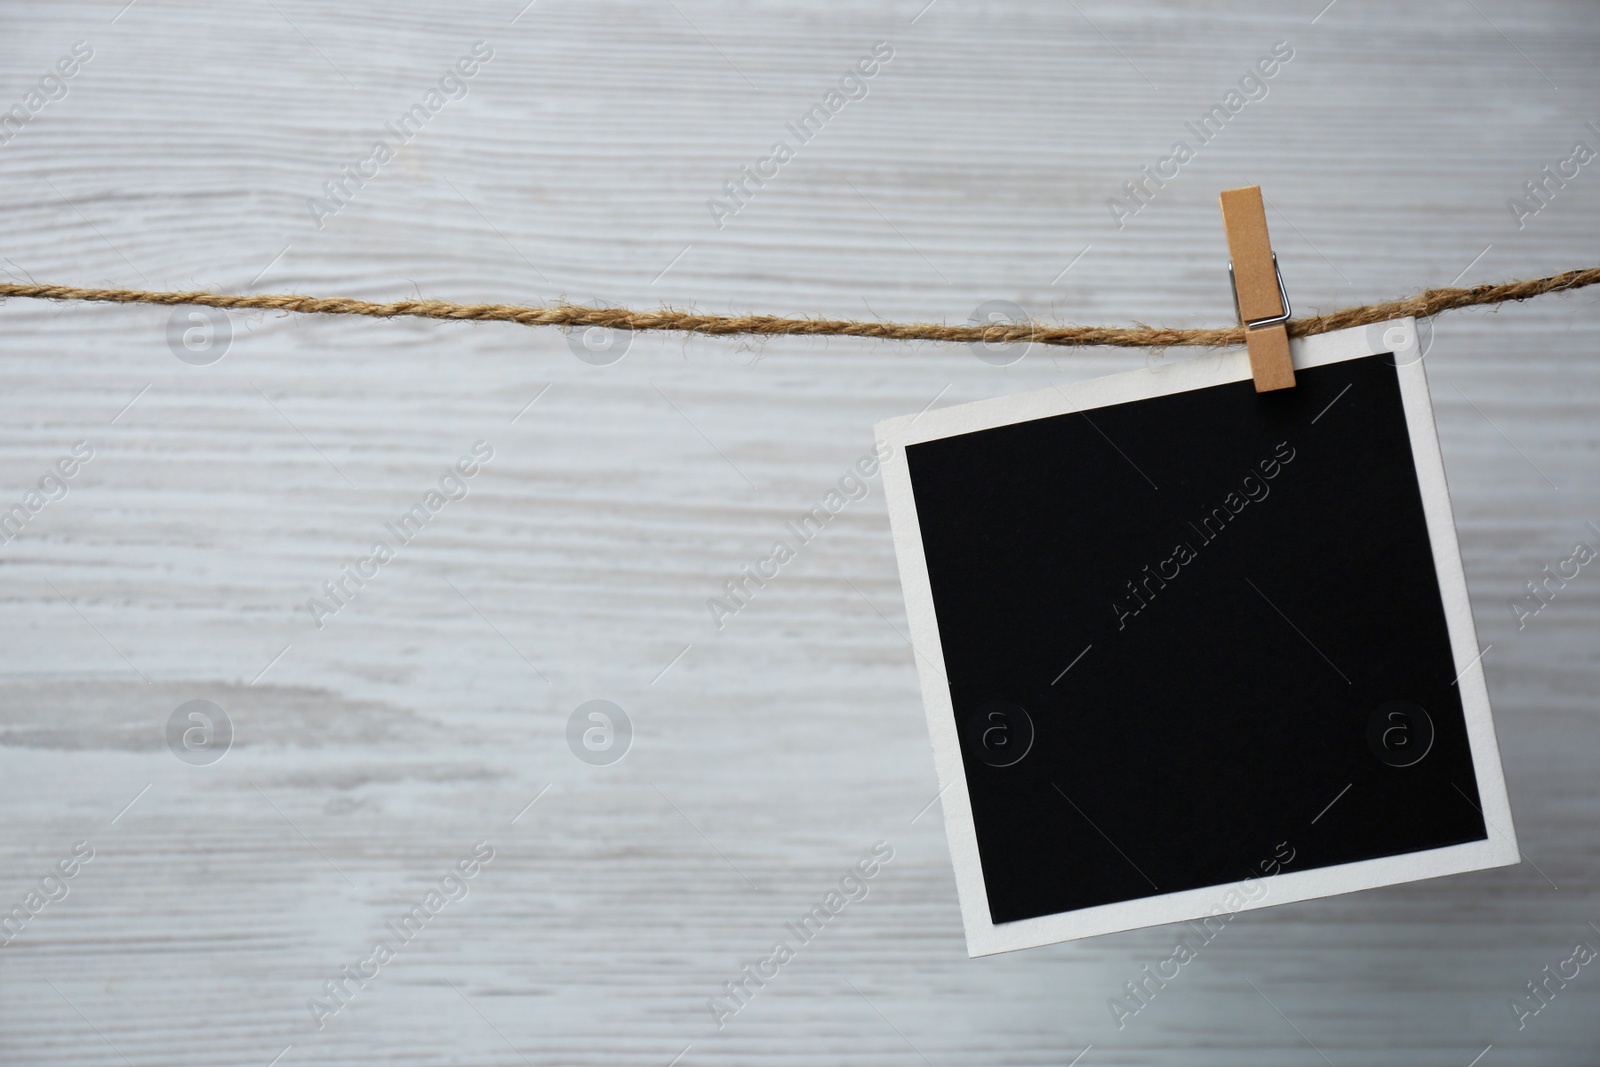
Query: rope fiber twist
(576,316)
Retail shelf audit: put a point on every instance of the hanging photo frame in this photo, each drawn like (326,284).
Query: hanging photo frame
(1188,649)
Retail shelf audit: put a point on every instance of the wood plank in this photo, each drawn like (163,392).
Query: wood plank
(373,752)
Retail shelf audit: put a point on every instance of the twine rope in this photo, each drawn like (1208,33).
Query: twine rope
(576,316)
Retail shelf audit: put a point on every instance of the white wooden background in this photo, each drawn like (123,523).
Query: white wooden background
(772,754)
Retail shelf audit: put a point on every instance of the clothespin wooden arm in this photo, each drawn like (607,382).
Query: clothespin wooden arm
(1258,291)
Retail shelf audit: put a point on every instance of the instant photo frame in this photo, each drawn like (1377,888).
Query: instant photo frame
(1186,649)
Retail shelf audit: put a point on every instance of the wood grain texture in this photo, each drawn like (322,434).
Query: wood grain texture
(423,717)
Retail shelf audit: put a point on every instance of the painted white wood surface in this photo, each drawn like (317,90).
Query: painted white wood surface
(422,718)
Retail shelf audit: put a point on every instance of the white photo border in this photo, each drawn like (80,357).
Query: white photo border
(985,937)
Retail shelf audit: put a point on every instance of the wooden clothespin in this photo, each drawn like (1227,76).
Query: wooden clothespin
(1258,293)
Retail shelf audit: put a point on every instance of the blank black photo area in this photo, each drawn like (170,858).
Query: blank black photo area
(1189,635)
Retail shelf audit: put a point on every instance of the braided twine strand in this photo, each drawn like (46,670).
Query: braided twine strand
(1429,303)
